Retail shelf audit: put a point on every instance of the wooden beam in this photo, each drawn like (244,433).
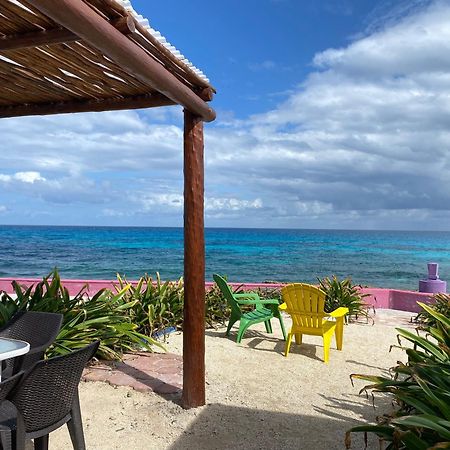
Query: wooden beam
(125,25)
(113,104)
(78,17)
(194,265)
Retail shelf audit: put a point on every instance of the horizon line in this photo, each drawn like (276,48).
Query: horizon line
(224,228)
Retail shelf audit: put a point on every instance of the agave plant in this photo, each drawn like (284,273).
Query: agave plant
(343,293)
(156,305)
(421,390)
(441,304)
(105,316)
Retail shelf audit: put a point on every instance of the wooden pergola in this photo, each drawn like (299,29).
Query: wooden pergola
(68,56)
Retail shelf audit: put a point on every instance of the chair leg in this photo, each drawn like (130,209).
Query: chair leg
(339,332)
(75,425)
(282,326)
(288,343)
(242,329)
(19,435)
(268,326)
(5,438)
(231,322)
(41,443)
(298,338)
(326,346)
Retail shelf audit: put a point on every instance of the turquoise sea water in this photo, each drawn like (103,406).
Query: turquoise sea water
(395,259)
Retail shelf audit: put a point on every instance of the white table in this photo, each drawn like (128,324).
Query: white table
(10,348)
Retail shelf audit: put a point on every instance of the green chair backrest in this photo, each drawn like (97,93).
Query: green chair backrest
(228,294)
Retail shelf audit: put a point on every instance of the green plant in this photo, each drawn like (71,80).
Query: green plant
(441,305)
(104,317)
(156,305)
(217,310)
(343,293)
(421,390)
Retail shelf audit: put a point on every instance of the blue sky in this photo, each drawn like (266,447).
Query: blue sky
(256,51)
(331,114)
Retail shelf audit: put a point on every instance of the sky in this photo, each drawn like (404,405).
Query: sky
(330,114)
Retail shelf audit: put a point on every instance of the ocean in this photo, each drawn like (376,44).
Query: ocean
(394,259)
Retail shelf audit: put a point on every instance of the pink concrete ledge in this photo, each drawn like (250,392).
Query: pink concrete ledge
(378,297)
(396,299)
(74,286)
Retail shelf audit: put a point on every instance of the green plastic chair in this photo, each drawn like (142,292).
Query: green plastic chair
(263,312)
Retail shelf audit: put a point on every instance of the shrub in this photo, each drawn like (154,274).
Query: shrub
(441,305)
(217,310)
(156,305)
(421,390)
(343,293)
(103,317)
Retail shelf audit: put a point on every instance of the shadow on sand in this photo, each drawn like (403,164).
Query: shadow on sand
(253,339)
(220,427)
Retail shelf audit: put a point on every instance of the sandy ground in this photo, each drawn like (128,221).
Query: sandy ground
(256,398)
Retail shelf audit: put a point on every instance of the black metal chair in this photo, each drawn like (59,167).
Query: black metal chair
(5,388)
(47,398)
(39,329)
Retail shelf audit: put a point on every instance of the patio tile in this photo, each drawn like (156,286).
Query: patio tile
(144,372)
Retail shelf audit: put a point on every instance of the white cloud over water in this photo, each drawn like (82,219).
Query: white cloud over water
(362,142)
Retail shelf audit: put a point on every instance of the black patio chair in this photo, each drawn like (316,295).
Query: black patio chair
(5,388)
(47,398)
(39,329)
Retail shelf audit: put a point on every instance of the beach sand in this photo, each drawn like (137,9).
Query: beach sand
(256,398)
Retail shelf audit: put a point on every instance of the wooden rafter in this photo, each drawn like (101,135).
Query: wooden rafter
(125,25)
(78,17)
(109,104)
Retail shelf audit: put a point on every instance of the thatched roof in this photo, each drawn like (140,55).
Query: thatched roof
(53,69)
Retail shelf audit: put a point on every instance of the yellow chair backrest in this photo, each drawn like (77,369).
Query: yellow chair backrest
(305,304)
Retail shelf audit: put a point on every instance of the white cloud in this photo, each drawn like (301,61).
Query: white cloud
(363,142)
(364,135)
(29,177)
(232,204)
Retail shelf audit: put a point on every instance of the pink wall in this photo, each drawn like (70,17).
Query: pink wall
(396,299)
(74,286)
(379,298)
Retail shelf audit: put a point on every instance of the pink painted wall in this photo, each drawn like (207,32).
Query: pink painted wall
(379,298)
(396,299)
(74,286)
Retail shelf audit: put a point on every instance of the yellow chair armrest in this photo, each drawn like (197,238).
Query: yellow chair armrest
(282,307)
(339,312)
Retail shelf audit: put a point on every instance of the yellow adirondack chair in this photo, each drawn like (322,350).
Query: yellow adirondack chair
(305,304)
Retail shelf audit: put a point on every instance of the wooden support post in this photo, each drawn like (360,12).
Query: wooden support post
(194,264)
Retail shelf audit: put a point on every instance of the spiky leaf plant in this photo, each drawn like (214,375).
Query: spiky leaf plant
(343,293)
(421,391)
(156,304)
(105,316)
(441,304)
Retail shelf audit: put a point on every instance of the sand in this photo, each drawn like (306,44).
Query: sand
(256,398)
